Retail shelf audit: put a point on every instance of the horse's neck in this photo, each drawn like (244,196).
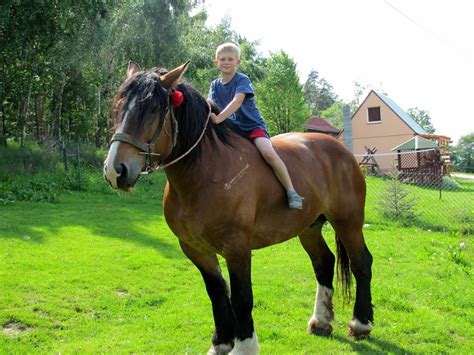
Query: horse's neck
(214,161)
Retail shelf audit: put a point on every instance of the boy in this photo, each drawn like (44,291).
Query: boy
(233,93)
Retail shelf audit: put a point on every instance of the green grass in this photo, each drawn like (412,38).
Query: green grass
(101,272)
(450,210)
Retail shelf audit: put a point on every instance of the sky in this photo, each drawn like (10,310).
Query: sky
(419,52)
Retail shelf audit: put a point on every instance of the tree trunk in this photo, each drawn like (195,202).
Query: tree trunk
(3,131)
(24,114)
(59,106)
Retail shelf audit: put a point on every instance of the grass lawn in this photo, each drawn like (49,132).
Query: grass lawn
(101,272)
(448,210)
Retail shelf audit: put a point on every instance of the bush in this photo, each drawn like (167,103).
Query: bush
(396,203)
(448,183)
(37,173)
(34,188)
(30,159)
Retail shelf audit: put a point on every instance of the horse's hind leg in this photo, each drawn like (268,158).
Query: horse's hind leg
(323,264)
(208,265)
(352,243)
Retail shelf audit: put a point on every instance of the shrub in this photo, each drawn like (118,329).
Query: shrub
(396,203)
(448,183)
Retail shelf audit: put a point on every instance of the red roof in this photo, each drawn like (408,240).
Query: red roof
(320,125)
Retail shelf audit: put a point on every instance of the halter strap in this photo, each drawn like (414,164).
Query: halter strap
(147,148)
(124,137)
(193,146)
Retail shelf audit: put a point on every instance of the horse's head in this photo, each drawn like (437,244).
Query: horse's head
(145,129)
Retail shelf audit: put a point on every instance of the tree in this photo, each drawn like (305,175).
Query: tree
(333,114)
(318,93)
(396,202)
(200,43)
(61,61)
(463,154)
(423,118)
(280,95)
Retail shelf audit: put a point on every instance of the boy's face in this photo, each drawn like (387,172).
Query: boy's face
(227,62)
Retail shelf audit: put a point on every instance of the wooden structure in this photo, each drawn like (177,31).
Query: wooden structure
(369,162)
(419,162)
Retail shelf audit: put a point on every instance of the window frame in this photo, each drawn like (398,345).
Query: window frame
(368,115)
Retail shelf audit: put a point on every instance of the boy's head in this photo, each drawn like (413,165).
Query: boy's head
(227,58)
(228,47)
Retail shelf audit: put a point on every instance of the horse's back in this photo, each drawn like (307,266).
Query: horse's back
(325,172)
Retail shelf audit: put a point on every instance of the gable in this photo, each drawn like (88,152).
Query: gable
(405,117)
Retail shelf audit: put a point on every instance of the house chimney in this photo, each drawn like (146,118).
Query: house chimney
(346,114)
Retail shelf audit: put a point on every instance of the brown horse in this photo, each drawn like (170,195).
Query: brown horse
(222,198)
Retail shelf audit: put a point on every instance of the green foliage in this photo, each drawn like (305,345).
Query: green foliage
(450,210)
(318,93)
(280,95)
(423,118)
(333,114)
(27,160)
(463,154)
(37,188)
(396,203)
(448,183)
(37,173)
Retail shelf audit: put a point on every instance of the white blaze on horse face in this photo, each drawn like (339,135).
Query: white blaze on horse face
(246,346)
(109,170)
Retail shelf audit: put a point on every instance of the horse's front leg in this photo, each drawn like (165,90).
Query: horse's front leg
(224,321)
(239,266)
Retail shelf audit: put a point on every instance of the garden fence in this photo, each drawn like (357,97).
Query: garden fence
(412,197)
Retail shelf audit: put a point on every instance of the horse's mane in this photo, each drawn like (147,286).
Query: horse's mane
(144,94)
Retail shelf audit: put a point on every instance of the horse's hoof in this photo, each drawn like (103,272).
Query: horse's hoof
(318,328)
(221,349)
(359,330)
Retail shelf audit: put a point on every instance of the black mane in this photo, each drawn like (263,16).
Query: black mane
(151,101)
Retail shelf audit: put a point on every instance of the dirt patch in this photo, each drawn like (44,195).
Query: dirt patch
(14,328)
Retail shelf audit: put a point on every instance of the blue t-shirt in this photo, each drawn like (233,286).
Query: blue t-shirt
(247,117)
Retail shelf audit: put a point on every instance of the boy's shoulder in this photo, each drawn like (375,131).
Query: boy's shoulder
(242,76)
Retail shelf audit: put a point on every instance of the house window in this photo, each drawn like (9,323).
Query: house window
(374,114)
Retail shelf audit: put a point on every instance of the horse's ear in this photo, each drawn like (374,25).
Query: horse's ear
(171,79)
(133,68)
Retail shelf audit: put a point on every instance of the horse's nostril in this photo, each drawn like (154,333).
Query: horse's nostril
(122,170)
(122,179)
(118,168)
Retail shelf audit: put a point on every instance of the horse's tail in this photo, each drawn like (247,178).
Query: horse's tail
(343,270)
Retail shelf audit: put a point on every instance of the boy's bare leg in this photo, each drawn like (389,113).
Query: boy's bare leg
(265,147)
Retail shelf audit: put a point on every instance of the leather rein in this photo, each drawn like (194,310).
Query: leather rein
(148,148)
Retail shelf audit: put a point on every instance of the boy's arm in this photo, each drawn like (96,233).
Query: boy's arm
(230,109)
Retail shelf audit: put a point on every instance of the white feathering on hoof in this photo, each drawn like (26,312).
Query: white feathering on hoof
(359,329)
(247,346)
(219,349)
(323,304)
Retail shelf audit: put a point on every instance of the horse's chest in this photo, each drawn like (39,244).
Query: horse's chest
(188,226)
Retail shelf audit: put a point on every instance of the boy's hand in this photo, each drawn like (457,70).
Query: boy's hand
(214,118)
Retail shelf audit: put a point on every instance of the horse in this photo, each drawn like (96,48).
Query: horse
(222,198)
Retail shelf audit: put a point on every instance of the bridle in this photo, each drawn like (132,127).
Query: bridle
(148,148)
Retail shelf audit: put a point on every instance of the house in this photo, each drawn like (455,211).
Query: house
(380,125)
(317,124)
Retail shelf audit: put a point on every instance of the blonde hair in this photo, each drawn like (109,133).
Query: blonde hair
(228,46)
